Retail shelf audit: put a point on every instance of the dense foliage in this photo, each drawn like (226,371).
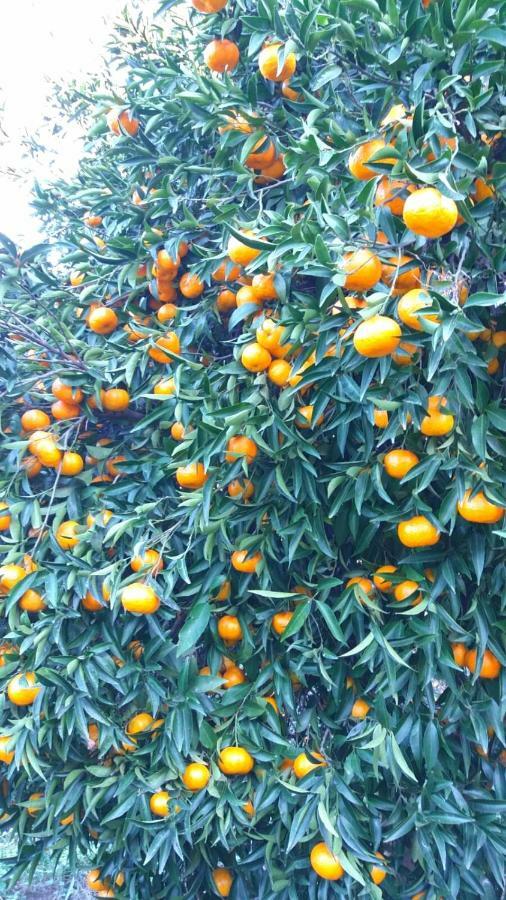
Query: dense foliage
(391,684)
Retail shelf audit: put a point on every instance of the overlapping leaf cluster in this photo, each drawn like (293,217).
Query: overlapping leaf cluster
(407,780)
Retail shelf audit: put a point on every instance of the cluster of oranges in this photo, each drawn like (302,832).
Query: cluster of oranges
(380,322)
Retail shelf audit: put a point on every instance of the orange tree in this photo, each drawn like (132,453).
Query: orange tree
(253,571)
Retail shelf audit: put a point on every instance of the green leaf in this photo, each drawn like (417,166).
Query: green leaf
(194,626)
(299,617)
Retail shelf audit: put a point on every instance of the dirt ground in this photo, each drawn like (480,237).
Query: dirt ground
(47,891)
(46,885)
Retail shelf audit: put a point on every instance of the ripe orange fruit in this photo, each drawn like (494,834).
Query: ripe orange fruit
(392,193)
(66,392)
(102,320)
(265,288)
(150,559)
(407,589)
(279,372)
(290,93)
(325,863)
(35,420)
(112,467)
(262,155)
(76,278)
(159,804)
(270,335)
(302,764)
(459,653)
(223,881)
(233,676)
(363,270)
(72,463)
(96,884)
(442,139)
(377,336)
(235,761)
(499,339)
(6,756)
(358,159)
(34,810)
(268,63)
(10,576)
(478,509)
(380,417)
(429,213)
(400,282)
(61,410)
(38,437)
(115,399)
(91,220)
(274,172)
(221,55)
(139,598)
(247,294)
(418,532)
(280,621)
(241,253)
(236,122)
(196,776)
(32,466)
(209,6)
(239,447)
(140,723)
(166,313)
(22,690)
(248,808)
(31,601)
(378,873)
(90,603)
(436,423)
(255,358)
(482,190)
(226,302)
(66,535)
(397,115)
(224,591)
(192,476)
(408,309)
(226,272)
(405,353)
(124,121)
(177,431)
(5,519)
(243,562)
(360,708)
(170,342)
(364,583)
(166,265)
(398,463)
(242,489)
(229,629)
(6,649)
(383,584)
(490,667)
(304,417)
(165,388)
(190,285)
(272,702)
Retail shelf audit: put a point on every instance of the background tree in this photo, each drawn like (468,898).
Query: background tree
(253,438)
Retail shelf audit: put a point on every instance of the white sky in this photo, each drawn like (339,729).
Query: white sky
(42,40)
